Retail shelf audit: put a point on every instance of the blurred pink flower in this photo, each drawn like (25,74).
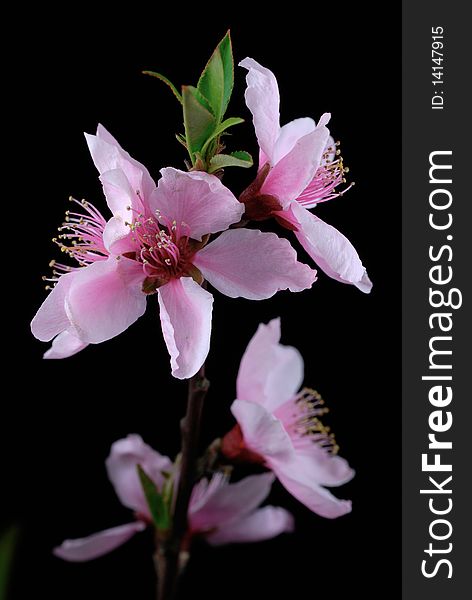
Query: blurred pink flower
(156,241)
(298,168)
(279,426)
(226,512)
(219,511)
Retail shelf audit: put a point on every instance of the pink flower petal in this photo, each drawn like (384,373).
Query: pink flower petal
(226,502)
(121,198)
(107,154)
(323,467)
(185,311)
(330,151)
(106,136)
(263,100)
(262,432)
(51,318)
(98,544)
(196,199)
(315,497)
(324,120)
(116,236)
(105,298)
(330,249)
(251,264)
(291,175)
(64,345)
(121,464)
(289,136)
(269,373)
(263,524)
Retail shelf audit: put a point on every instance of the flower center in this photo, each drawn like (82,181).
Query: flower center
(300,417)
(164,248)
(81,238)
(329,175)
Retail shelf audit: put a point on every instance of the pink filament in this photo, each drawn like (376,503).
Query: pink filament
(300,417)
(323,185)
(162,246)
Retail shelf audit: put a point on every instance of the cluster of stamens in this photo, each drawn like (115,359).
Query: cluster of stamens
(81,238)
(162,246)
(327,178)
(304,423)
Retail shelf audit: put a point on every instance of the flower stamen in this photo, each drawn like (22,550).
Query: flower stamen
(162,246)
(81,238)
(301,419)
(311,425)
(329,175)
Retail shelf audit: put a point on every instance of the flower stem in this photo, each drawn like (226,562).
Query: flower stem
(168,556)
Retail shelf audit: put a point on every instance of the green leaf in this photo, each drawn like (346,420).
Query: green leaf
(235,159)
(217,80)
(181,139)
(157,506)
(198,120)
(221,128)
(167,82)
(226,51)
(8,542)
(228,123)
(202,100)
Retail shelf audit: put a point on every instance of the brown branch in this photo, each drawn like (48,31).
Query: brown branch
(168,555)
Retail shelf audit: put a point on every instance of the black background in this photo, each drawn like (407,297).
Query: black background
(62,416)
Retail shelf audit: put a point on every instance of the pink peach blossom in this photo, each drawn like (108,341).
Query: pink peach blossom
(220,512)
(279,426)
(156,242)
(121,465)
(304,170)
(226,513)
